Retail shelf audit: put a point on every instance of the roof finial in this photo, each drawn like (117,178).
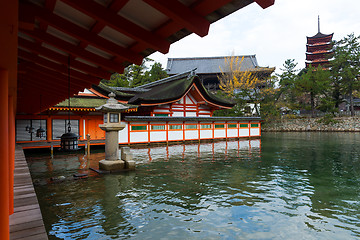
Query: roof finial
(318,23)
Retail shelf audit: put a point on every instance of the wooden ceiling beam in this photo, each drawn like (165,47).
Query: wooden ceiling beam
(33,82)
(78,32)
(38,49)
(121,24)
(74,50)
(182,15)
(59,69)
(265,3)
(51,78)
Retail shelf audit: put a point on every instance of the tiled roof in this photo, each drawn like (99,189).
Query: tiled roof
(207,64)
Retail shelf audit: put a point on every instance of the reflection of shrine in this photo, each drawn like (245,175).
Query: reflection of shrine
(215,149)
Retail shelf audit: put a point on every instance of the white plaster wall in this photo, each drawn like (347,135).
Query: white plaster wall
(178,114)
(254,131)
(205,133)
(123,134)
(191,114)
(157,136)
(232,132)
(191,134)
(138,137)
(219,133)
(244,132)
(175,135)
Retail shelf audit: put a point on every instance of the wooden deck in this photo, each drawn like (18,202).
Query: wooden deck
(26,222)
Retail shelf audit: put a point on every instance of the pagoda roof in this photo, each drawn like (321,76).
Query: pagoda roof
(321,35)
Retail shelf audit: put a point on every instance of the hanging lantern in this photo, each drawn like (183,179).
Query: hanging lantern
(40,133)
(31,130)
(69,140)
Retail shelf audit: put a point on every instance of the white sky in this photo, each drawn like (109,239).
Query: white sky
(273,34)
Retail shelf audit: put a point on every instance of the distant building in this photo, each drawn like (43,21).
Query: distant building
(208,68)
(319,49)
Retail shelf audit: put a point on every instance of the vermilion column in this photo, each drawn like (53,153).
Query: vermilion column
(11,153)
(4,156)
(48,129)
(8,87)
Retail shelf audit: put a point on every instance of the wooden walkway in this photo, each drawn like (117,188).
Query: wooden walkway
(26,222)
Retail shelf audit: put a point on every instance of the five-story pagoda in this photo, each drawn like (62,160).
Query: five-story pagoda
(319,48)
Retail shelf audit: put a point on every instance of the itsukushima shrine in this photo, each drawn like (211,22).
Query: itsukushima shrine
(41,39)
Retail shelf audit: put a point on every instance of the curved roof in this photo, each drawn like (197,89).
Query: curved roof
(166,90)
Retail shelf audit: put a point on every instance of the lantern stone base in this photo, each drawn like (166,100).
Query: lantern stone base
(112,165)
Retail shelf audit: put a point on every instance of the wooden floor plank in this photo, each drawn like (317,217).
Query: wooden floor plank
(26,222)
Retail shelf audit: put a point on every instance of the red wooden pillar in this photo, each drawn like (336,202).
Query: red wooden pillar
(4,155)
(8,96)
(11,153)
(49,129)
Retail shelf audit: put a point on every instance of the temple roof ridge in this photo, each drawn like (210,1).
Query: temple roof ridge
(187,74)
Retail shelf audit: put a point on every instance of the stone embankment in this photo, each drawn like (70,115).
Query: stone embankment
(340,124)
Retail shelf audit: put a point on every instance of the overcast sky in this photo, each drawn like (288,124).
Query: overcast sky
(274,34)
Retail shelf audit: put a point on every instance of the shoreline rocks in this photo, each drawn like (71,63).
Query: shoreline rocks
(337,124)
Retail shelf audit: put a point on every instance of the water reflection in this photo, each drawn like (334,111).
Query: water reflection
(286,186)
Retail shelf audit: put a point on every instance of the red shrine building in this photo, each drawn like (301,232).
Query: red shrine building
(174,109)
(318,49)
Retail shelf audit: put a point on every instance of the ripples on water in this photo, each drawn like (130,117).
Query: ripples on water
(284,186)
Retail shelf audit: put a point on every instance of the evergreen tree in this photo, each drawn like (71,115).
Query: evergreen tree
(137,75)
(314,82)
(345,67)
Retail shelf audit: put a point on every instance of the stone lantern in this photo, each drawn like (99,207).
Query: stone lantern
(112,125)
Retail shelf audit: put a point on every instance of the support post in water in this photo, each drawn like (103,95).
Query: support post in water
(88,144)
(52,150)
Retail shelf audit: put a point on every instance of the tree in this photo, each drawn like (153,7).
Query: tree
(315,82)
(287,79)
(244,85)
(345,66)
(136,75)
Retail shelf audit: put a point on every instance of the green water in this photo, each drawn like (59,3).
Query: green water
(284,186)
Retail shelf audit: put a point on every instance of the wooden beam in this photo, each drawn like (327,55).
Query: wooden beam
(38,49)
(79,33)
(74,50)
(52,77)
(183,15)
(265,3)
(59,69)
(121,24)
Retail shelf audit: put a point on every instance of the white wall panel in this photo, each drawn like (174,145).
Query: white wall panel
(157,136)
(191,134)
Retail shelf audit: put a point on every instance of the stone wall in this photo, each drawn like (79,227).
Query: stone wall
(341,124)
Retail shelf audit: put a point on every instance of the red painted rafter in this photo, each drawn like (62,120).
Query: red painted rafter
(79,33)
(51,76)
(265,3)
(182,15)
(202,8)
(38,49)
(121,24)
(60,69)
(74,50)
